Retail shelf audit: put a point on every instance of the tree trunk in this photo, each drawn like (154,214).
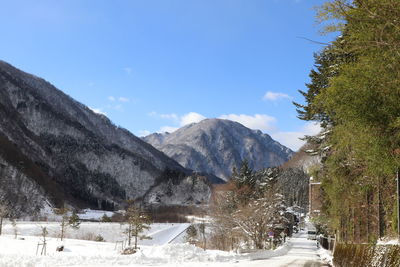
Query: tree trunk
(129,235)
(136,236)
(367,215)
(354,224)
(62,228)
(1,224)
(380,220)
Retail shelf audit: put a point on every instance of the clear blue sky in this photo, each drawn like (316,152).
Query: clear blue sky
(152,65)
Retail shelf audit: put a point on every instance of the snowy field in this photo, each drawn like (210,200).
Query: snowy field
(161,233)
(166,249)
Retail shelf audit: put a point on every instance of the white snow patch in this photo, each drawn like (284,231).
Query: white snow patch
(388,242)
(89,214)
(326,256)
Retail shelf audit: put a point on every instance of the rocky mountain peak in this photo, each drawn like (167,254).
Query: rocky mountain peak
(216,146)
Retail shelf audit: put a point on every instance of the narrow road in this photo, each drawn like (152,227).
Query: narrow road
(302,253)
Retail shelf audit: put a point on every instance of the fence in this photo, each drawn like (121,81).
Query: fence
(327,242)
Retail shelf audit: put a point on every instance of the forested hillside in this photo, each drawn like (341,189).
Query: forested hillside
(55,150)
(355,94)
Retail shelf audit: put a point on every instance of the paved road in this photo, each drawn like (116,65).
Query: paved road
(302,252)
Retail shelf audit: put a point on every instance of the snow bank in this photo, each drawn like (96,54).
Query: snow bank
(179,253)
(14,252)
(325,255)
(388,242)
(265,254)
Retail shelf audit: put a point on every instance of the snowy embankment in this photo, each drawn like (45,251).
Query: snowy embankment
(325,255)
(156,252)
(90,253)
(14,252)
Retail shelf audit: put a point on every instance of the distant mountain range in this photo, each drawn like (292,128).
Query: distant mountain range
(55,150)
(217,146)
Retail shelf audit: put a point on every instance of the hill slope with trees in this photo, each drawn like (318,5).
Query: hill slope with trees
(355,94)
(54,149)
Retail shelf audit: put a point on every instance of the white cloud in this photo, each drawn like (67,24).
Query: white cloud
(152,114)
(98,111)
(143,133)
(291,139)
(312,128)
(168,129)
(274,96)
(171,116)
(120,99)
(123,99)
(191,117)
(180,121)
(261,122)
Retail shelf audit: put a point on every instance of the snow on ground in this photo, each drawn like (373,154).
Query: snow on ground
(159,252)
(15,252)
(325,255)
(161,233)
(388,241)
(89,214)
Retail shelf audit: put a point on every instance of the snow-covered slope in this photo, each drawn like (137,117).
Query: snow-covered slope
(216,146)
(55,149)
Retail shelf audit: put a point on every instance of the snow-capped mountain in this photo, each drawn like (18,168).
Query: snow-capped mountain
(216,146)
(55,149)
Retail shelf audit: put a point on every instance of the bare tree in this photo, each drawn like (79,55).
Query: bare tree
(14,225)
(67,221)
(225,234)
(3,214)
(259,217)
(44,241)
(247,209)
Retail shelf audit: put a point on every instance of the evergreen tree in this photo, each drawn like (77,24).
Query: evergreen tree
(138,221)
(191,234)
(327,65)
(66,220)
(105,218)
(74,221)
(245,175)
(359,100)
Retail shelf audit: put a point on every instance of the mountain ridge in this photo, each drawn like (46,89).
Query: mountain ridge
(87,160)
(217,146)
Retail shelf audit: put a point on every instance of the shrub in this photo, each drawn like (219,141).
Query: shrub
(99,238)
(349,255)
(128,251)
(105,218)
